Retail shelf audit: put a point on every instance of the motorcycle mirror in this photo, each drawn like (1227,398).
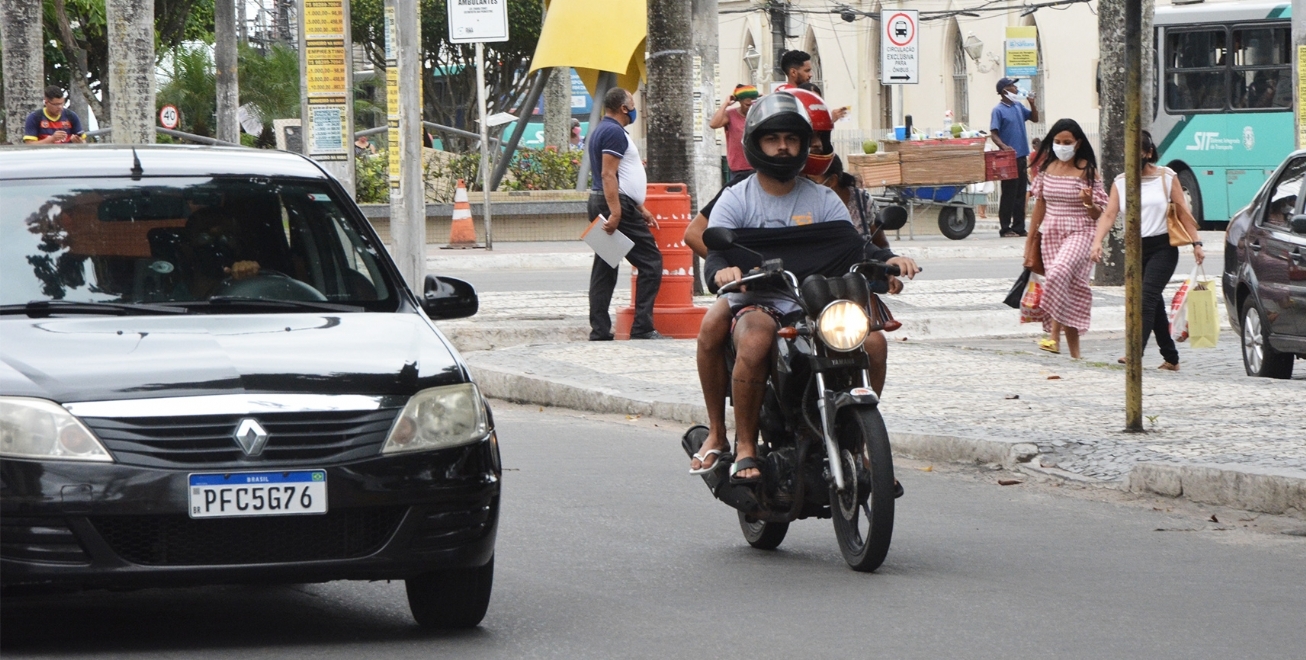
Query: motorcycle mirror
(893,218)
(719,238)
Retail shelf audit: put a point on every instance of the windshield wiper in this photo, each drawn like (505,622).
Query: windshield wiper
(44,308)
(239,301)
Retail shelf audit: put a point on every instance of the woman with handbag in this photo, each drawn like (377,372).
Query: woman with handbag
(1166,224)
(1070,199)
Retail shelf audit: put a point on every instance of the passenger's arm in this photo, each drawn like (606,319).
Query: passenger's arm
(694,235)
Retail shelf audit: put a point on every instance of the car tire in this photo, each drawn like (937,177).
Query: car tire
(451,599)
(1259,359)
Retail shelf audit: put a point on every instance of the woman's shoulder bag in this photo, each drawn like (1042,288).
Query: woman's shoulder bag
(1174,225)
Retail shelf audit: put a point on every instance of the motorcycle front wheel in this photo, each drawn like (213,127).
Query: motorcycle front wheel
(762,535)
(863,513)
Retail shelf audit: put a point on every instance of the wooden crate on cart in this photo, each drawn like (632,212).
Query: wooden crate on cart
(933,162)
(876,170)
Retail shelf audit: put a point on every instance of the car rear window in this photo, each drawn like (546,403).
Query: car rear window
(184,239)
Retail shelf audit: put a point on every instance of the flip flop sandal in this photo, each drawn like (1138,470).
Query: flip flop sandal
(745,464)
(1049,346)
(702,458)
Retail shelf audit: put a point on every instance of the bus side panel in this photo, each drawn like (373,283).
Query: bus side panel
(1200,144)
(1266,139)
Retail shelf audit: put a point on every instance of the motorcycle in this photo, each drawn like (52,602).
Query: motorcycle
(822,443)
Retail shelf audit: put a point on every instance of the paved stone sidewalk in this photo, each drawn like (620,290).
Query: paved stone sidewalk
(1006,389)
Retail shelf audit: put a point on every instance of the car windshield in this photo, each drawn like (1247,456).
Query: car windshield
(192,241)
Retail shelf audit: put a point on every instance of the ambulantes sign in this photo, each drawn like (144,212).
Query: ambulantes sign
(899,60)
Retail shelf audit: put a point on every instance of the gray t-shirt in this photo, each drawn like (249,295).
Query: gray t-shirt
(747,206)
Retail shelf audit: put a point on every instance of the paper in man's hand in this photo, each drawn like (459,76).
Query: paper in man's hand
(612,248)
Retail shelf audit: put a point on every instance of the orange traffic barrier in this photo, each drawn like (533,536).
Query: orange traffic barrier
(674,312)
(462,233)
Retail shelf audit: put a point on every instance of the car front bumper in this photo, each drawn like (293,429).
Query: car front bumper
(93,525)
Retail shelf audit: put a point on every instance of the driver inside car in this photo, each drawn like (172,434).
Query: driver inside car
(777,138)
(215,248)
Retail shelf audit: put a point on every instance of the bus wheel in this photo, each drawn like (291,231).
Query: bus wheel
(1193,195)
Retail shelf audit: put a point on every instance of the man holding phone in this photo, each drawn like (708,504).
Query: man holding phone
(53,123)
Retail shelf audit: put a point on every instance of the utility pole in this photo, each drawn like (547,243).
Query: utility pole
(407,193)
(1112,89)
(777,11)
(557,109)
(131,69)
(707,93)
(242,23)
(1133,217)
(669,94)
(24,63)
(225,69)
(1299,49)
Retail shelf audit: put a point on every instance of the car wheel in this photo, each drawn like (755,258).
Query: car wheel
(1259,359)
(450,599)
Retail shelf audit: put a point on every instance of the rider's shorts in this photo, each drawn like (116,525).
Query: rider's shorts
(776,315)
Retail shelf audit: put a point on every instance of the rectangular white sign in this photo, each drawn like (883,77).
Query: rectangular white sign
(471,21)
(899,47)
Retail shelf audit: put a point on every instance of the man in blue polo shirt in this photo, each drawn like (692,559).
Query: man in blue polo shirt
(53,123)
(1007,129)
(620,185)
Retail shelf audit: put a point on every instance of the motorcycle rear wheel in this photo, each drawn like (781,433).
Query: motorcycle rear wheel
(762,535)
(863,513)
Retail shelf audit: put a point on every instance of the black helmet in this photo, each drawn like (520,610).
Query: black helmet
(776,113)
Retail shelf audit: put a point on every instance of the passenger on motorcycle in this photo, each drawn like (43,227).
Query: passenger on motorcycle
(776,141)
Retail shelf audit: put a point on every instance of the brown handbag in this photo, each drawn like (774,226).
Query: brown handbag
(1034,252)
(1174,225)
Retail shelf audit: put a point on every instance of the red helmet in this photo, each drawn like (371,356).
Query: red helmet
(822,124)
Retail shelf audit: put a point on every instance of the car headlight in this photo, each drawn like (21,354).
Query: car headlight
(843,325)
(439,418)
(40,429)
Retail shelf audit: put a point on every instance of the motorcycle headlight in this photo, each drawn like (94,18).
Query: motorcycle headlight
(40,429)
(439,418)
(843,325)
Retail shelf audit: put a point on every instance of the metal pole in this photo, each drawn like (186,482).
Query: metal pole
(532,97)
(225,69)
(1133,222)
(485,139)
(607,80)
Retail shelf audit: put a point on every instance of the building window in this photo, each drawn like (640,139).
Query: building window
(960,86)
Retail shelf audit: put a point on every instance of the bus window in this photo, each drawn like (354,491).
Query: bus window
(1262,69)
(1196,70)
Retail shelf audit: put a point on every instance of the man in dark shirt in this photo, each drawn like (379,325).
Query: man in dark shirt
(53,123)
(620,185)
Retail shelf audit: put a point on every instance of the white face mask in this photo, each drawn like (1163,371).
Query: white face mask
(1014,98)
(1064,151)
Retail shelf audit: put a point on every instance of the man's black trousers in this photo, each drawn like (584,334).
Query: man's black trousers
(1011,210)
(644,256)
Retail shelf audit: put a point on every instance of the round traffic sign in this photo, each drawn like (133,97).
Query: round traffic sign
(169,118)
(900,29)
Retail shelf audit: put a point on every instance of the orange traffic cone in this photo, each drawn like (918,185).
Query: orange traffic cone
(462,233)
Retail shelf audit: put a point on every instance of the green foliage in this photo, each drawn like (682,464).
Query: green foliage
(542,169)
(372,179)
(192,87)
(270,81)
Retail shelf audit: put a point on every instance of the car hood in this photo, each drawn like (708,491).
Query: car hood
(108,358)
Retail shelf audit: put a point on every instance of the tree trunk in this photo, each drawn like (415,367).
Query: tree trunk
(78,71)
(225,69)
(131,69)
(669,93)
(1111,92)
(557,109)
(707,93)
(24,63)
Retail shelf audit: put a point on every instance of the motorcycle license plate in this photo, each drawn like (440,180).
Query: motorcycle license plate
(236,494)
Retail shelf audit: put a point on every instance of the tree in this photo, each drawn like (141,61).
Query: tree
(80,25)
(192,88)
(22,65)
(449,79)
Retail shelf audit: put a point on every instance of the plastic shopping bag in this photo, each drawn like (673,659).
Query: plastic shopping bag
(1203,316)
(1179,308)
(1030,310)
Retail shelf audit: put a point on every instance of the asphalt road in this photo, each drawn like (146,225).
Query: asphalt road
(607,549)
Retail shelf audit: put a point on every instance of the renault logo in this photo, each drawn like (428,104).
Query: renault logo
(251,437)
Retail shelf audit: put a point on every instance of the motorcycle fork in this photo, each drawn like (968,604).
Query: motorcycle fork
(825,405)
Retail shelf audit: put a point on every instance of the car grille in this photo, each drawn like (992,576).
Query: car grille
(454,523)
(299,438)
(47,540)
(182,541)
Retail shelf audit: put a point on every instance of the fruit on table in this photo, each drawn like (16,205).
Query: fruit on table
(870,146)
(956,130)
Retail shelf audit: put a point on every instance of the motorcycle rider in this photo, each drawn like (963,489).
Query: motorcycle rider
(777,138)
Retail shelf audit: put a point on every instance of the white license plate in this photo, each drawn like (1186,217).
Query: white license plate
(258,494)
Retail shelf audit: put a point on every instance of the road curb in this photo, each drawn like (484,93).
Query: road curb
(1267,490)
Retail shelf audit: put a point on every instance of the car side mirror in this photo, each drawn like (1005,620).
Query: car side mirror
(719,238)
(1299,224)
(449,298)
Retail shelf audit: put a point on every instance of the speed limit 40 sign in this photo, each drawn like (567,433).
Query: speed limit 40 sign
(899,61)
(169,118)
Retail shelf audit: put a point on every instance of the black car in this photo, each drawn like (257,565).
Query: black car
(212,372)
(1265,273)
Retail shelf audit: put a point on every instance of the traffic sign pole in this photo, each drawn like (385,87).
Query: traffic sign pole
(485,140)
(480,22)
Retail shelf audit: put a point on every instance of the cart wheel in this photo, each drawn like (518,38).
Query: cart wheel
(956,222)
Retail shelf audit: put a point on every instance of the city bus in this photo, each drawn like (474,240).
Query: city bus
(1223,105)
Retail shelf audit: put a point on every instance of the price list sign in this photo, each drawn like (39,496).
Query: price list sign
(392,101)
(326,80)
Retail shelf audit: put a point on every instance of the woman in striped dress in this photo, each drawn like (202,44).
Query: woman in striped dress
(1070,200)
